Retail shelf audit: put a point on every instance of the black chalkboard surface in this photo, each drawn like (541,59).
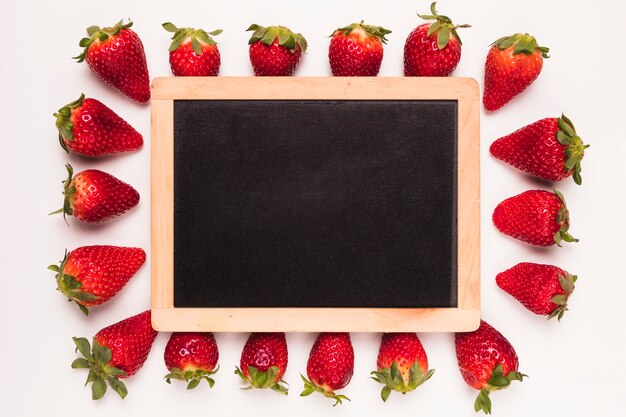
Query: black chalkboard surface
(315,204)
(282,203)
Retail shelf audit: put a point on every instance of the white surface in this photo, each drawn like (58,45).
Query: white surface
(575,368)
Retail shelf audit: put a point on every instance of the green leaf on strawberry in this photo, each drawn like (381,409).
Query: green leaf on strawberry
(281,34)
(97,359)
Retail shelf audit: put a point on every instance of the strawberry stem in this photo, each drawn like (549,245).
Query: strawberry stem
(443,27)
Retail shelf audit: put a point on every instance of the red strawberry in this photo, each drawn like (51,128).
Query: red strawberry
(118,352)
(402,364)
(548,148)
(116,55)
(264,361)
(487,362)
(543,289)
(89,128)
(357,50)
(193,52)
(330,366)
(275,50)
(92,275)
(191,357)
(513,63)
(433,49)
(537,217)
(94,196)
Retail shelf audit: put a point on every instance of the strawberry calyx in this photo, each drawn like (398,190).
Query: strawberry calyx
(96,34)
(197,37)
(64,121)
(567,284)
(392,379)
(192,377)
(443,26)
(283,35)
(68,191)
(261,379)
(372,31)
(97,359)
(496,382)
(574,147)
(69,286)
(522,43)
(562,219)
(310,387)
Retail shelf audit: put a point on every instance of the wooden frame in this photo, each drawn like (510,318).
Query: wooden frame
(465,317)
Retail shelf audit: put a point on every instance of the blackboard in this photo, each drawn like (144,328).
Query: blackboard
(283,204)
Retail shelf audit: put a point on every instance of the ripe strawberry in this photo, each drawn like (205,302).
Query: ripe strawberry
(89,128)
(191,357)
(94,196)
(548,148)
(357,50)
(543,289)
(92,275)
(402,364)
(433,49)
(537,217)
(118,352)
(513,63)
(116,55)
(193,52)
(275,50)
(487,362)
(264,361)
(330,366)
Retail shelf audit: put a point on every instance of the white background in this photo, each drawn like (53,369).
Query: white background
(575,368)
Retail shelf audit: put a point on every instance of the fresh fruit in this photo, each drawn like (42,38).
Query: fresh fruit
(357,50)
(193,52)
(118,352)
(433,49)
(264,361)
(88,127)
(402,364)
(116,55)
(543,289)
(487,362)
(92,275)
(94,196)
(330,366)
(537,217)
(549,149)
(275,50)
(513,63)
(191,357)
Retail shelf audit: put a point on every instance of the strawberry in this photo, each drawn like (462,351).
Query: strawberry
(264,361)
(537,217)
(433,49)
(118,352)
(549,149)
(89,128)
(193,52)
(543,289)
(513,63)
(357,50)
(402,364)
(275,50)
(116,55)
(92,275)
(487,362)
(330,366)
(94,196)
(191,357)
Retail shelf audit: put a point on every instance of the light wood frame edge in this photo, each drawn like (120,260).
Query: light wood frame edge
(165,317)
